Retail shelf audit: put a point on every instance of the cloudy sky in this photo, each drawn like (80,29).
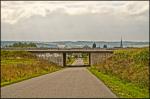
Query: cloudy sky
(75,20)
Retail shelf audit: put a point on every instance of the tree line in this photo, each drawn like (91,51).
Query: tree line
(20,44)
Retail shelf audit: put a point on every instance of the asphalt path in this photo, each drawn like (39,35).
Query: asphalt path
(67,83)
(78,61)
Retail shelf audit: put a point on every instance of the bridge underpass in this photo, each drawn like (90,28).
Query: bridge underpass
(77,59)
(65,59)
(61,58)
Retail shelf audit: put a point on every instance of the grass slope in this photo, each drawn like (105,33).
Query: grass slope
(20,65)
(121,88)
(129,67)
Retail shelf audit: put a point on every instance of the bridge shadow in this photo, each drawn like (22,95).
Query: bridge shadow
(73,66)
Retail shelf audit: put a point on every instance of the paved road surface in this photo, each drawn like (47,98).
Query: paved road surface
(67,83)
(78,61)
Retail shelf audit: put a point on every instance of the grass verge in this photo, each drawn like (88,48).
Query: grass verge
(121,88)
(26,78)
(17,66)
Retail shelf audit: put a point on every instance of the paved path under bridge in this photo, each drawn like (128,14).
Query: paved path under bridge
(67,83)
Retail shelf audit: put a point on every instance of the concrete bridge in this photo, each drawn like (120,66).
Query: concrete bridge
(58,56)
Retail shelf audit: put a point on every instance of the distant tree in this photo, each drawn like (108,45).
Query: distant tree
(20,44)
(32,45)
(76,56)
(94,45)
(25,44)
(105,46)
(84,55)
(6,46)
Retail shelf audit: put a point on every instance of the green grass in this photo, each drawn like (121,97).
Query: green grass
(19,66)
(126,72)
(17,61)
(85,60)
(131,65)
(120,87)
(70,61)
(25,78)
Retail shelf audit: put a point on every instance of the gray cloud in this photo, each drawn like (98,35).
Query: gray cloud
(59,26)
(26,9)
(48,21)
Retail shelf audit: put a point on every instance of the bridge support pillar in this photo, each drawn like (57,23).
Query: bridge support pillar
(90,59)
(64,59)
(98,58)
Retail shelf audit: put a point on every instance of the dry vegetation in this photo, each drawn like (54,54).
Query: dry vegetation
(130,66)
(20,65)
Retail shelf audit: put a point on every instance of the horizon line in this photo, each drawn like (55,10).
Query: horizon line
(81,40)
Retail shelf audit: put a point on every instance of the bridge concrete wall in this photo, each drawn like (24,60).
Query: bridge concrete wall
(52,57)
(95,58)
(98,58)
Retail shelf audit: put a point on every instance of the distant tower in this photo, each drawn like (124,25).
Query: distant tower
(121,45)
(94,45)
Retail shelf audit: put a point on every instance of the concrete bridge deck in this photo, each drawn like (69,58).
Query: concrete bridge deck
(62,50)
(96,55)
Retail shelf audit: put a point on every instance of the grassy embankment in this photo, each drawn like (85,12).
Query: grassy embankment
(20,65)
(126,73)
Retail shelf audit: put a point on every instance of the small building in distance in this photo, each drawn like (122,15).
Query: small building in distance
(94,45)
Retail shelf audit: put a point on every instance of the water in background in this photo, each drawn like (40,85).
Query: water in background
(78,44)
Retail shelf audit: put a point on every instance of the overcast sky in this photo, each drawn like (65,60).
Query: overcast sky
(75,20)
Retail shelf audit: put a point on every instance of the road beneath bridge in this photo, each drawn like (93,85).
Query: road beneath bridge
(78,61)
(67,83)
